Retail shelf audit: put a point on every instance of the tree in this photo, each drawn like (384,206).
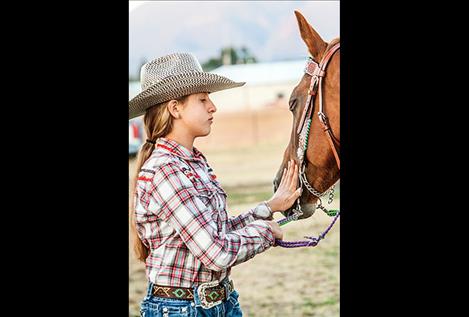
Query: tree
(246,56)
(212,64)
(230,56)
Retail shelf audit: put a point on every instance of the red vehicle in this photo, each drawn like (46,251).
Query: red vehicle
(135,136)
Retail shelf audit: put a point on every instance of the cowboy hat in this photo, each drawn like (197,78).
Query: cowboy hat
(173,76)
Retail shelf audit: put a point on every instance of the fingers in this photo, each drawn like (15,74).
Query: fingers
(289,176)
(282,181)
(295,195)
(276,230)
(294,178)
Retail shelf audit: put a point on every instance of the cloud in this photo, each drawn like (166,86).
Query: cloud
(134,5)
(267,28)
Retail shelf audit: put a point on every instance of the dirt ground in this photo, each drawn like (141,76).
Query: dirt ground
(245,151)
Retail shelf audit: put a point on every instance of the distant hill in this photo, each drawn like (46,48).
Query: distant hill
(268,29)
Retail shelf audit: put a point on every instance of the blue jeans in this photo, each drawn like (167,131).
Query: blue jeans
(153,306)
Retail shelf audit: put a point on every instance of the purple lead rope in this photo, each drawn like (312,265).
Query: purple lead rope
(311,242)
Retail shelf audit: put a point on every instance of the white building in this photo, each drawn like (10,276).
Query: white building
(265,82)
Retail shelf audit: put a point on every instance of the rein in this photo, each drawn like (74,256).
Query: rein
(317,72)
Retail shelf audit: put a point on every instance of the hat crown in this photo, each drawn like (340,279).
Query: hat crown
(169,65)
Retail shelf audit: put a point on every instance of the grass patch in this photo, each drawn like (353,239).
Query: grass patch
(239,195)
(255,193)
(331,252)
(311,304)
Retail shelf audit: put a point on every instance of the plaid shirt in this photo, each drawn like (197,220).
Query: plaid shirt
(181,217)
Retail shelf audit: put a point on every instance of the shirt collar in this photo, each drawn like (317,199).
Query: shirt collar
(168,145)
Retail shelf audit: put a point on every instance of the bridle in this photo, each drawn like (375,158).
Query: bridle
(317,71)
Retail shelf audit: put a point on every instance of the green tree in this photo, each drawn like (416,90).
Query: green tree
(211,64)
(230,56)
(246,56)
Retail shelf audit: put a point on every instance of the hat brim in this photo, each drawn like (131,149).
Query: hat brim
(177,86)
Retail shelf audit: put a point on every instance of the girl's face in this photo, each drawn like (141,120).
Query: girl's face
(197,114)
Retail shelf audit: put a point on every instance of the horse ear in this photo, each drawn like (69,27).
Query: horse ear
(314,42)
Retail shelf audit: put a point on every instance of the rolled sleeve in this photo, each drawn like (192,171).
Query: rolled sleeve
(261,211)
(179,205)
(261,229)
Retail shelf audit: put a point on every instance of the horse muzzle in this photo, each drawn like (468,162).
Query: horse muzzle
(307,209)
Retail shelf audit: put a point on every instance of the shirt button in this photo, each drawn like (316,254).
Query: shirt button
(165,309)
(192,304)
(184,309)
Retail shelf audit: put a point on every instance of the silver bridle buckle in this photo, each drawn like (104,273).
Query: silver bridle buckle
(201,292)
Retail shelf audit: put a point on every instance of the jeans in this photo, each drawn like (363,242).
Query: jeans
(153,306)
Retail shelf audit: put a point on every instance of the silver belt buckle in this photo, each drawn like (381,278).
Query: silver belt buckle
(201,292)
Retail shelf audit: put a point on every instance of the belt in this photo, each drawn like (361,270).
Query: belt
(210,294)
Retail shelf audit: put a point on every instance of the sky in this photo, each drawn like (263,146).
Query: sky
(134,4)
(268,28)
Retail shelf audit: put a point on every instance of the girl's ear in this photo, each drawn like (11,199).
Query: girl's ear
(172,108)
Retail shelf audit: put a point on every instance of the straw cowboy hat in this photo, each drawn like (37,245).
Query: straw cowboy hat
(172,76)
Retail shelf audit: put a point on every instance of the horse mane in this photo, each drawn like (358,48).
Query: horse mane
(333,42)
(329,45)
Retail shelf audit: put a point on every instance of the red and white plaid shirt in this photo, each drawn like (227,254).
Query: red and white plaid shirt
(181,217)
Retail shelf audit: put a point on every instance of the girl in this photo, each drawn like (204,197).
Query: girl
(180,226)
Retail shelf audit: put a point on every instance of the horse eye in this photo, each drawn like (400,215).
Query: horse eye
(292,104)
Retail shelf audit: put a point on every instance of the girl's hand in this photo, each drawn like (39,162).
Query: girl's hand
(286,193)
(276,230)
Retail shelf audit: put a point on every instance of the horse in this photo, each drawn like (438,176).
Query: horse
(314,145)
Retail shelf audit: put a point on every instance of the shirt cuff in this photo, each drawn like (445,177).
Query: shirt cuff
(262,211)
(265,232)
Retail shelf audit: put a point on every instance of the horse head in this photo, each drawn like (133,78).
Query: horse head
(322,138)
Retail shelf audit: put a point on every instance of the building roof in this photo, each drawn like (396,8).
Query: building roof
(264,73)
(253,74)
